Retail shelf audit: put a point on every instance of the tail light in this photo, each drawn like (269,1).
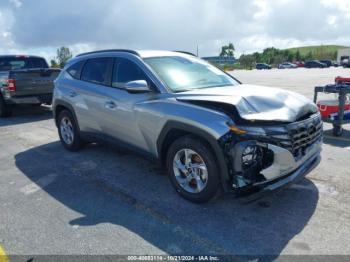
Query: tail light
(11,85)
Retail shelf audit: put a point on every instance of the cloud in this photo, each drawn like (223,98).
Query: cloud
(16,3)
(6,21)
(41,25)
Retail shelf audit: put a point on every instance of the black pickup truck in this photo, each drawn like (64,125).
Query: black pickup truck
(25,80)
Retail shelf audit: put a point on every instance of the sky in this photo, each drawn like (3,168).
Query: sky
(39,27)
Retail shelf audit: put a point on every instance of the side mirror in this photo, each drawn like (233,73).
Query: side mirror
(138,86)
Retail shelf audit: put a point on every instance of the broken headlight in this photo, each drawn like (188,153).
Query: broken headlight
(250,156)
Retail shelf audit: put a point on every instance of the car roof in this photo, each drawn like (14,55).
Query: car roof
(19,56)
(157,53)
(141,53)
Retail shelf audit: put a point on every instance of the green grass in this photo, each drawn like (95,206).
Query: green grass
(320,50)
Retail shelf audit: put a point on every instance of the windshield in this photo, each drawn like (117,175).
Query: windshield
(187,73)
(14,63)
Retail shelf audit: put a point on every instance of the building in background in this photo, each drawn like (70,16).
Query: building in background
(343,54)
(220,60)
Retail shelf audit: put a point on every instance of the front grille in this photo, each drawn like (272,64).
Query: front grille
(301,135)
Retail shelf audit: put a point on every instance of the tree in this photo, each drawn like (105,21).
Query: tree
(63,55)
(268,55)
(227,50)
(308,56)
(54,63)
(278,59)
(290,57)
(247,61)
(297,55)
(257,57)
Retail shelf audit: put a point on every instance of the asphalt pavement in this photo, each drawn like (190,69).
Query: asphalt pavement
(105,201)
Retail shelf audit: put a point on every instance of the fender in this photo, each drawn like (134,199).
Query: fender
(60,102)
(219,154)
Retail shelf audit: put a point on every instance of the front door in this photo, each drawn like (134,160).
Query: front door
(120,109)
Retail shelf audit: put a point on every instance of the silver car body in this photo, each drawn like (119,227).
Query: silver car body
(287,65)
(139,119)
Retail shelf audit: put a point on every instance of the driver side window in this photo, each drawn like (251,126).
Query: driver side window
(125,71)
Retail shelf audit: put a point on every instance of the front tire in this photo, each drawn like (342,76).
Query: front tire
(69,132)
(5,110)
(192,169)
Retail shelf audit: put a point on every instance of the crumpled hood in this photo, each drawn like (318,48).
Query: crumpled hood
(256,102)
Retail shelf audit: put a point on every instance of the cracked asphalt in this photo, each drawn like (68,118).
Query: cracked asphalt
(105,200)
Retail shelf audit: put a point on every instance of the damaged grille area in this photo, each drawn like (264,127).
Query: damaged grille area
(301,135)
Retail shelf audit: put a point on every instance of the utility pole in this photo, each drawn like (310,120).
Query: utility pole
(197,51)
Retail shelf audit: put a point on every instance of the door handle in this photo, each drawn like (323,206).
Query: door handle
(110,105)
(72,94)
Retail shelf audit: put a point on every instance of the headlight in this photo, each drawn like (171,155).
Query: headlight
(251,130)
(250,155)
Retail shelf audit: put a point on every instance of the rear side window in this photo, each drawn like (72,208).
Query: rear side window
(75,69)
(98,71)
(126,71)
(21,62)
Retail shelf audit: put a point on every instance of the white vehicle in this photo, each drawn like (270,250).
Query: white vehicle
(287,65)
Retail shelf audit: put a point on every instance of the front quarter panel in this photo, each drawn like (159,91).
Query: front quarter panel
(153,115)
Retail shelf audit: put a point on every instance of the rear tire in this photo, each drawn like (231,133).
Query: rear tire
(5,110)
(69,132)
(196,184)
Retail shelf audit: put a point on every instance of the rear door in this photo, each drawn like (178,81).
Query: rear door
(89,95)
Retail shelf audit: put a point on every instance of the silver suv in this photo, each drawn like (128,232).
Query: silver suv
(210,131)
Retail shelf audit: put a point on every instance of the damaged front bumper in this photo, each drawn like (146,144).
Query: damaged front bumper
(259,190)
(285,171)
(281,168)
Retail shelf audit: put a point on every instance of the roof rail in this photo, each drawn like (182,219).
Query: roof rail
(110,50)
(185,52)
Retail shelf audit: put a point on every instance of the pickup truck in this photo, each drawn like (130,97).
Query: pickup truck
(25,80)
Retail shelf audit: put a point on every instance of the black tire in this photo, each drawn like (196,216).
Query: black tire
(337,130)
(5,110)
(77,143)
(205,152)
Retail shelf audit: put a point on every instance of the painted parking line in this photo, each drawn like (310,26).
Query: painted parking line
(337,138)
(3,256)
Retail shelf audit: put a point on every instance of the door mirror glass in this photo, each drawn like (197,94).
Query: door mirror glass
(137,86)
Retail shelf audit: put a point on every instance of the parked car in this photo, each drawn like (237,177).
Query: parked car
(300,64)
(207,128)
(328,63)
(260,66)
(24,80)
(345,63)
(315,64)
(286,65)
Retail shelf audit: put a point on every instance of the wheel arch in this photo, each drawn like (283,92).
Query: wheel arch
(61,105)
(173,130)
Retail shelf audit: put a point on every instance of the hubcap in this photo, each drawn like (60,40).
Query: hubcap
(67,130)
(190,170)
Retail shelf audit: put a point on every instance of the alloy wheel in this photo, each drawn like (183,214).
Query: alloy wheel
(190,170)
